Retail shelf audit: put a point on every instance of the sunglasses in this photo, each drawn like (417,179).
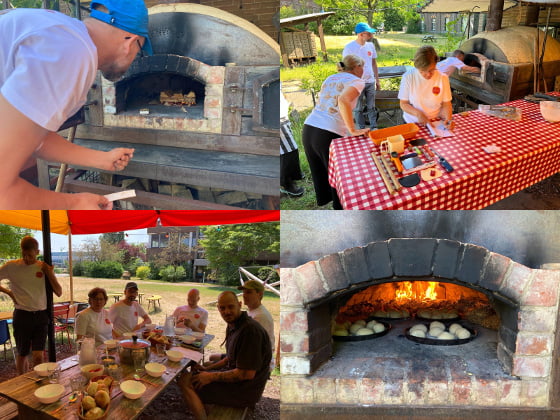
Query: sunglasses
(141,53)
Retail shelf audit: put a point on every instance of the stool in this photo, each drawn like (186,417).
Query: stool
(152,301)
(220,412)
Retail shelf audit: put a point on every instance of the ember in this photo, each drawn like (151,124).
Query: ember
(175,99)
(399,299)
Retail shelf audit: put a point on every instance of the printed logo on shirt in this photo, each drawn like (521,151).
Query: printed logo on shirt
(196,316)
(39,274)
(369,53)
(135,313)
(107,321)
(435,90)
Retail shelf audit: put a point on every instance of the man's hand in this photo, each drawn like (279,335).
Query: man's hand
(46,269)
(377,84)
(359,131)
(201,379)
(88,201)
(117,159)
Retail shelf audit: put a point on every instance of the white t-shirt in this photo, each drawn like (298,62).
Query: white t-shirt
(424,94)
(27,282)
(48,62)
(197,315)
(94,324)
(263,317)
(326,114)
(449,65)
(367,52)
(125,317)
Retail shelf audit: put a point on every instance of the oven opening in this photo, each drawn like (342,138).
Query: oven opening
(162,95)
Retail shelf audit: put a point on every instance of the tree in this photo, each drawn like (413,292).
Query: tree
(10,236)
(231,246)
(175,253)
(113,237)
(368,8)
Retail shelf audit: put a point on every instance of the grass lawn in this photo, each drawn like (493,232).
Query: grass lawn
(173,295)
(396,49)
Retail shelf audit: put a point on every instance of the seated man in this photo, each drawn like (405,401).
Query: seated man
(124,314)
(449,65)
(253,292)
(239,379)
(191,315)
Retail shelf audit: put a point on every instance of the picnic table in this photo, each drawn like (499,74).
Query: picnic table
(428,38)
(530,152)
(21,391)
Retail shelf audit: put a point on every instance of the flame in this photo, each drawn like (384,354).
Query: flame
(420,292)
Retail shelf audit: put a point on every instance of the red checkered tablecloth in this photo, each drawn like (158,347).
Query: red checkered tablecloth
(530,152)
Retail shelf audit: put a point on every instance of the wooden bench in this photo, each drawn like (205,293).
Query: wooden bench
(152,301)
(8,409)
(220,412)
(429,38)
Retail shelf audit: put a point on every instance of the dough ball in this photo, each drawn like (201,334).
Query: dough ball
(341,333)
(446,336)
(463,333)
(405,313)
(371,324)
(454,327)
(417,333)
(380,314)
(435,332)
(355,327)
(378,328)
(395,314)
(420,327)
(437,324)
(342,326)
(425,314)
(364,331)
(360,322)
(449,315)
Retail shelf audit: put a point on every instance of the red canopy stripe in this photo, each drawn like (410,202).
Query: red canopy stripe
(216,217)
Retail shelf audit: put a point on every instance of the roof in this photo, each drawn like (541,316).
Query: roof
(313,17)
(450,6)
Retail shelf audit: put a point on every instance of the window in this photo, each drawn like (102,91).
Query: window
(433,24)
(446,23)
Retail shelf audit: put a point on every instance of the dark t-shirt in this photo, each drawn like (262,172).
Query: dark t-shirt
(248,348)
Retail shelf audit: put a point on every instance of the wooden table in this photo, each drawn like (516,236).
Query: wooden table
(530,152)
(21,391)
(6,315)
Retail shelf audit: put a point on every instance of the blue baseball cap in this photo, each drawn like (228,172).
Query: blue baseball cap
(128,15)
(363,27)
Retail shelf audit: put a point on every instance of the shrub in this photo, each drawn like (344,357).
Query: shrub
(133,265)
(143,272)
(172,274)
(106,269)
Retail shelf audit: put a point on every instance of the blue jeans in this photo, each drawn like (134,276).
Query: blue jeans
(367,96)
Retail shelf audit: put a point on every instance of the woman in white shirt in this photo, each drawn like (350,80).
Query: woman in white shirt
(330,119)
(94,321)
(425,94)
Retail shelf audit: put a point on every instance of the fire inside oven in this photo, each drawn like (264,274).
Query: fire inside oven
(421,299)
(162,94)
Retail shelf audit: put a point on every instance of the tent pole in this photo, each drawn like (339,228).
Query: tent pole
(46,224)
(70,269)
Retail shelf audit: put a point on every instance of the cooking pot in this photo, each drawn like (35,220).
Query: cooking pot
(133,346)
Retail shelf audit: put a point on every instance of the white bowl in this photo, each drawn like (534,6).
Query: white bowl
(174,355)
(180,331)
(154,369)
(187,339)
(43,368)
(198,335)
(550,110)
(49,393)
(111,344)
(91,370)
(133,389)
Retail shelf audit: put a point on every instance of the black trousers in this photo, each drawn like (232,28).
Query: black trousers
(316,142)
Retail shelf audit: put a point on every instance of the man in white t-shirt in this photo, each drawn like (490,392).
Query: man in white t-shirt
(449,65)
(366,50)
(48,62)
(253,292)
(191,315)
(125,313)
(28,291)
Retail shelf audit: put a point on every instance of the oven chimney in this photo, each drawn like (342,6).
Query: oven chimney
(532,15)
(495,13)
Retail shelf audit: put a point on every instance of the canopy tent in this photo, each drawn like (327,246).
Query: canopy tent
(74,222)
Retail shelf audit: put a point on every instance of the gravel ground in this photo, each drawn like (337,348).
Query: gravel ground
(170,404)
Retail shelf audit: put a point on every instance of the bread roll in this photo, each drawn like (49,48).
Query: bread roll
(462,333)
(446,336)
(378,328)
(355,327)
(364,331)
(454,327)
(417,333)
(435,332)
(371,324)
(420,327)
(361,322)
(437,324)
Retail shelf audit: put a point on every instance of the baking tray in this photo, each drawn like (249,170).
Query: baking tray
(443,320)
(363,337)
(436,342)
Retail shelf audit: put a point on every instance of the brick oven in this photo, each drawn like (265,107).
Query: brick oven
(510,370)
(202,114)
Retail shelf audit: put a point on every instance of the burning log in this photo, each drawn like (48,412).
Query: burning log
(168,98)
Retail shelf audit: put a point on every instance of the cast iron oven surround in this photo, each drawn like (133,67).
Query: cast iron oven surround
(527,300)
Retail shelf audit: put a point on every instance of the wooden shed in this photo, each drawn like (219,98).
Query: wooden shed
(298,46)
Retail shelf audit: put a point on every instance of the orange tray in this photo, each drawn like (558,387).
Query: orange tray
(406,130)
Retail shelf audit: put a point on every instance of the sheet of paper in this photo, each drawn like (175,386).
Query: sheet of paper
(189,354)
(121,195)
(440,130)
